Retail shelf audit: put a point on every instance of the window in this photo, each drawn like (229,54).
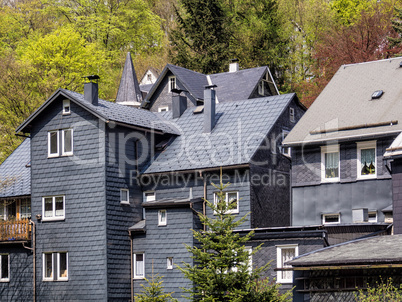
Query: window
(330,163)
(292,114)
(54,142)
(285,150)
(4,268)
(124,194)
(25,209)
(231,199)
(148,196)
(261,87)
(149,77)
(331,218)
(172,83)
(66,107)
(366,160)
(169,263)
(162,217)
(285,253)
(372,216)
(162,109)
(55,266)
(139,265)
(53,208)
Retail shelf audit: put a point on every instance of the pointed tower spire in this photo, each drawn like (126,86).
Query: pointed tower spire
(129,90)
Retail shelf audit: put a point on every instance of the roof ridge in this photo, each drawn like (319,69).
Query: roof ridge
(369,62)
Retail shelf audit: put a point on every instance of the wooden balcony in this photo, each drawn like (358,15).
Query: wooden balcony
(15,230)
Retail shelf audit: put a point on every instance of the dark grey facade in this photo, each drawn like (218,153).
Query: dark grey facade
(312,198)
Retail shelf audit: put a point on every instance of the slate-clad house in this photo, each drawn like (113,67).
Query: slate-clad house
(338,171)
(115,189)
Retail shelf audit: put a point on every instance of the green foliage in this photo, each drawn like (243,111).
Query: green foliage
(221,270)
(397,26)
(348,12)
(385,292)
(153,292)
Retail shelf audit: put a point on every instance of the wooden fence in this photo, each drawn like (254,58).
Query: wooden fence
(15,230)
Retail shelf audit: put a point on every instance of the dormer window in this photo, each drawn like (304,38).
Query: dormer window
(172,83)
(66,107)
(261,87)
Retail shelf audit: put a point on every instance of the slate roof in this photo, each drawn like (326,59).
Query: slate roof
(138,227)
(374,250)
(129,90)
(15,172)
(239,85)
(345,107)
(109,111)
(240,129)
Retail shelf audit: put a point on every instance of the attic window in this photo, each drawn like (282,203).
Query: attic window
(377,94)
(66,106)
(172,83)
(261,87)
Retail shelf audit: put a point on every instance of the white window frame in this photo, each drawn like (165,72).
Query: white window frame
(375,219)
(135,265)
(146,198)
(171,82)
(331,214)
(292,114)
(66,107)
(261,87)
(2,256)
(163,109)
(162,222)
(362,146)
(280,265)
(63,142)
(53,217)
(285,150)
(55,276)
(330,149)
(169,263)
(123,200)
(57,153)
(233,211)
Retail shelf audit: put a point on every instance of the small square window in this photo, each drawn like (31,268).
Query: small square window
(285,150)
(172,83)
(285,253)
(169,263)
(124,196)
(139,265)
(372,216)
(330,163)
(366,160)
(231,199)
(53,208)
(4,267)
(331,218)
(66,107)
(162,217)
(162,109)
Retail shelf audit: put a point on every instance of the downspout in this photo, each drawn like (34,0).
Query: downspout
(33,249)
(204,211)
(131,267)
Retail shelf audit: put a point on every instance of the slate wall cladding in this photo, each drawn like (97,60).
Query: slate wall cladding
(121,171)
(20,287)
(161,242)
(163,98)
(81,179)
(397,194)
(311,198)
(270,176)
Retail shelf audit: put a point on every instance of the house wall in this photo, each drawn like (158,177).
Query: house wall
(121,172)
(163,98)
(81,178)
(160,242)
(20,287)
(270,176)
(311,198)
(397,195)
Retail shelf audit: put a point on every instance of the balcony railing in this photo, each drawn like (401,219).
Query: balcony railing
(13,230)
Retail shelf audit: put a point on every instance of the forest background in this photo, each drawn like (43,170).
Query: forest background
(47,44)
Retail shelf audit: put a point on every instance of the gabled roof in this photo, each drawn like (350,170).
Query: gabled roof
(108,111)
(239,85)
(369,251)
(231,86)
(240,129)
(129,92)
(15,172)
(395,150)
(345,109)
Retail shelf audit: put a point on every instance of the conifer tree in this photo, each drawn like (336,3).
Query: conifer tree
(222,270)
(397,26)
(153,291)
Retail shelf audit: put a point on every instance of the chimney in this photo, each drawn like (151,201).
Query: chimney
(91,90)
(209,108)
(234,65)
(179,103)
